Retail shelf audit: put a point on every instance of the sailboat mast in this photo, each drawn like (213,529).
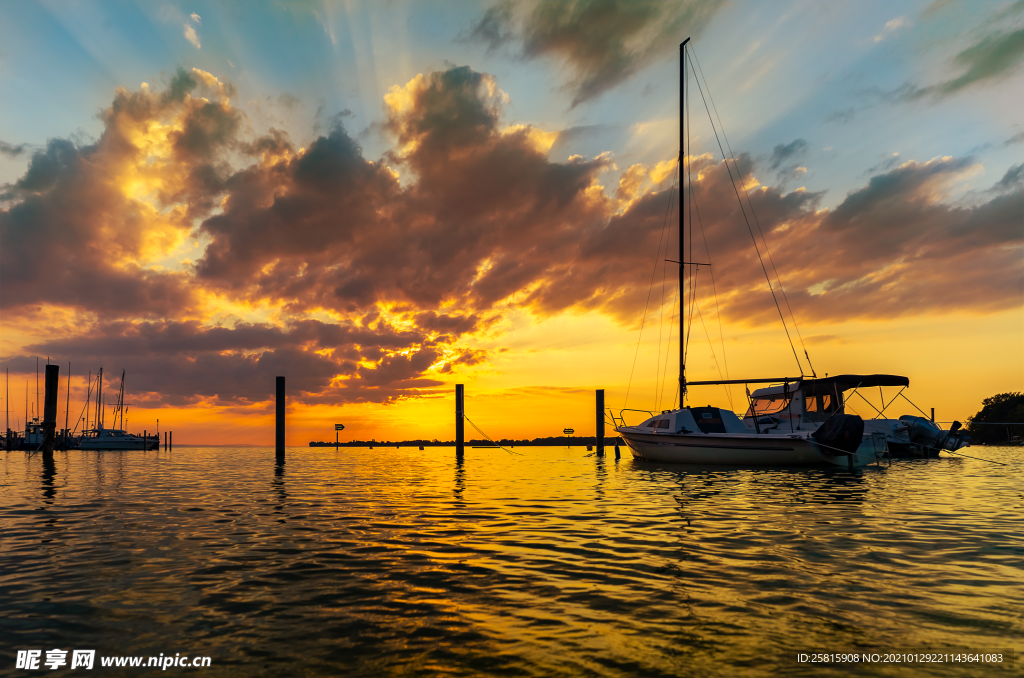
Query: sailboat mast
(682,204)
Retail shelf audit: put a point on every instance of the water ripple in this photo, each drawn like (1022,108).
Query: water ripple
(398,561)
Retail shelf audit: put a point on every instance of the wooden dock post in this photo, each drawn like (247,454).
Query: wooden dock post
(170,444)
(460,425)
(50,410)
(279,437)
(165,441)
(599,398)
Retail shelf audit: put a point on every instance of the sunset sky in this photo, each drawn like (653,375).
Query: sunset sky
(379,200)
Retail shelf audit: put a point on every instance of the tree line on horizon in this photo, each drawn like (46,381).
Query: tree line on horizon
(1000,408)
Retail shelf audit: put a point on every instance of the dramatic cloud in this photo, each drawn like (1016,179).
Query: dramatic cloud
(363,280)
(84,220)
(601,42)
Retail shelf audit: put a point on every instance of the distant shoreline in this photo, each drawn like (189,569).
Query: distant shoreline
(574,441)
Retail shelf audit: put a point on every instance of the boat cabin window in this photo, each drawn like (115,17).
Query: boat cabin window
(821,407)
(770,404)
(658,423)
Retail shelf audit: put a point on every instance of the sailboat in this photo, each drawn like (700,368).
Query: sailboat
(793,421)
(102,438)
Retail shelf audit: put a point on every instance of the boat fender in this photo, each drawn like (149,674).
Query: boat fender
(841,431)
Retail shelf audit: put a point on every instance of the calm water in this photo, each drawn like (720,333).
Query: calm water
(549,563)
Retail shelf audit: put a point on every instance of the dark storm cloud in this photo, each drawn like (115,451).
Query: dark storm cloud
(602,42)
(995,57)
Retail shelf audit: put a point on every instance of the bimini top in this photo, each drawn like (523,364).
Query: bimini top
(844,382)
(836,384)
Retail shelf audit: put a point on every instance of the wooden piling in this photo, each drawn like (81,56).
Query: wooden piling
(165,441)
(460,426)
(170,444)
(279,437)
(50,410)
(144,440)
(599,406)
(67,413)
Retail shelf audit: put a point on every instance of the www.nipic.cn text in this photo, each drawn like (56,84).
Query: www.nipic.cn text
(87,659)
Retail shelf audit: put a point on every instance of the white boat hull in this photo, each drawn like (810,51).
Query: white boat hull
(731,449)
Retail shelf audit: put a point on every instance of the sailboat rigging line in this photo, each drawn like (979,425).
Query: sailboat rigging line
(915,406)
(654,272)
(668,350)
(728,395)
(714,289)
(884,406)
(689,313)
(785,297)
(687,157)
(749,228)
(661,328)
(976,458)
(485,435)
(855,392)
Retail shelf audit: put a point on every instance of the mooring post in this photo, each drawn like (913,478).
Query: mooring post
(279,438)
(144,440)
(165,441)
(170,444)
(50,410)
(599,399)
(460,412)
(933,415)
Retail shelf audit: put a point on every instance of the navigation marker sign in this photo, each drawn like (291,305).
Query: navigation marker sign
(339,427)
(569,431)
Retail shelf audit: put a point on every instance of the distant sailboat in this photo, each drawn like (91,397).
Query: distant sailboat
(102,438)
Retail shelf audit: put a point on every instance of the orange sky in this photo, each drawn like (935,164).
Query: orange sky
(487,229)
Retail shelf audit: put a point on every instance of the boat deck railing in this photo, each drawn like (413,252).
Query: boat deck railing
(620,420)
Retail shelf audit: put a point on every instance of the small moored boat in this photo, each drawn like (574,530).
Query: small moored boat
(116,439)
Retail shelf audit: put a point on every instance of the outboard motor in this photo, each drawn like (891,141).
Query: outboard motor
(924,432)
(840,432)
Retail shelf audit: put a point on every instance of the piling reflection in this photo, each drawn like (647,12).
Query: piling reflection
(460,480)
(48,476)
(277,484)
(601,474)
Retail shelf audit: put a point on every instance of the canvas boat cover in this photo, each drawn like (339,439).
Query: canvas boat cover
(845,382)
(841,431)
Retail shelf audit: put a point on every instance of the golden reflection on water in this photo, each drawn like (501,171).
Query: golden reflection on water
(392,561)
